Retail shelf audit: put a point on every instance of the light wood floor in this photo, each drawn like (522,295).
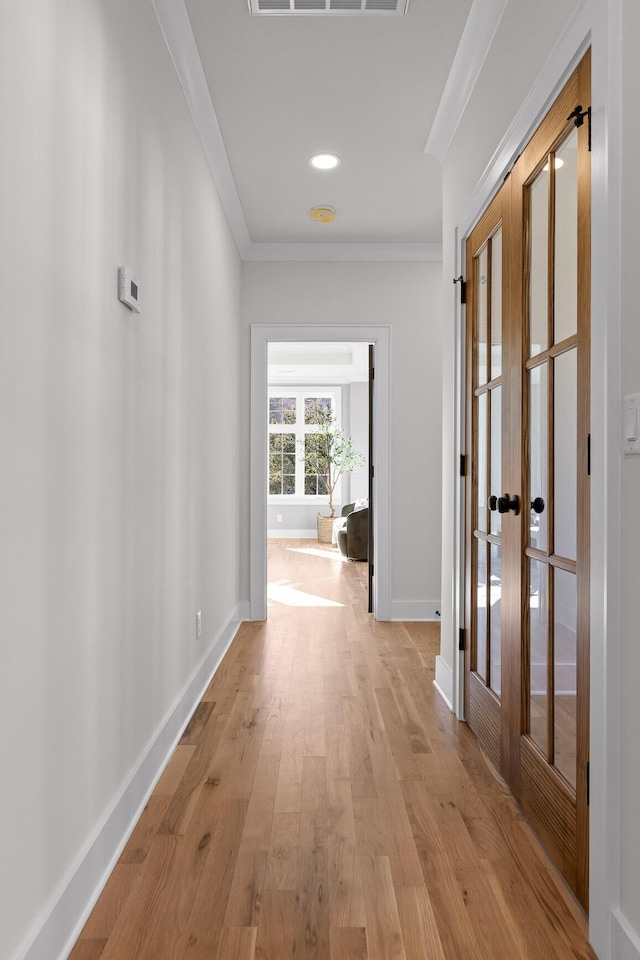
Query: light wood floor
(324,803)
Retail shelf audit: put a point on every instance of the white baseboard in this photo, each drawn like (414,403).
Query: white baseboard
(57,930)
(292,534)
(415,611)
(625,940)
(444,681)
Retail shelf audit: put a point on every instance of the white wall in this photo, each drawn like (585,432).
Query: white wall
(118,433)
(405,296)
(630,606)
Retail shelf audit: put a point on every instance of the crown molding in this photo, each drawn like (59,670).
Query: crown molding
(329,252)
(480,29)
(178,35)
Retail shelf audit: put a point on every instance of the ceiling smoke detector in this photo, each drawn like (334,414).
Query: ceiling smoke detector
(323,214)
(328,7)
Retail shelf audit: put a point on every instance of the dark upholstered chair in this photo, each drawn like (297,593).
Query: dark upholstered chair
(353,539)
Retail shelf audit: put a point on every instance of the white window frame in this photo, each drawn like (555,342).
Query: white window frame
(300,429)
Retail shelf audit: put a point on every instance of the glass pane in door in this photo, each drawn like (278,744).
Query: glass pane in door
(565,615)
(481,460)
(480,665)
(565,282)
(496,455)
(565,451)
(539,264)
(538,653)
(496,304)
(538,456)
(482,286)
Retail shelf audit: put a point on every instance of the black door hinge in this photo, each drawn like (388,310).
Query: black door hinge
(588,783)
(372,373)
(588,454)
(578,116)
(463,288)
(373,471)
(463,465)
(461,639)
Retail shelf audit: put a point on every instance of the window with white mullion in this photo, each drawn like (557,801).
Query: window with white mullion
(297,470)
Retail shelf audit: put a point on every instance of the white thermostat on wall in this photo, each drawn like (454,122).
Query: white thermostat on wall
(128,290)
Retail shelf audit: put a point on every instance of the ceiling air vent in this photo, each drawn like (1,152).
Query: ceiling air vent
(330,8)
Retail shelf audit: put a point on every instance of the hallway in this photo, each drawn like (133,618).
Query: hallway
(324,803)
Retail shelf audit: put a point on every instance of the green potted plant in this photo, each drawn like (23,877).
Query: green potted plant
(334,455)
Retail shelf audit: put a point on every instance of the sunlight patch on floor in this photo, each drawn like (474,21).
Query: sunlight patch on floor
(291,597)
(314,552)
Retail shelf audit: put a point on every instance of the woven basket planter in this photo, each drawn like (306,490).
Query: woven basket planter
(325,529)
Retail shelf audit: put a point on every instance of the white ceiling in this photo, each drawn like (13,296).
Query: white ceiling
(318,363)
(267,92)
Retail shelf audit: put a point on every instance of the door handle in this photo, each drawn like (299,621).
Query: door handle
(537,505)
(505,503)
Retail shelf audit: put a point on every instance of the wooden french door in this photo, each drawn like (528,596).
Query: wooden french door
(527,569)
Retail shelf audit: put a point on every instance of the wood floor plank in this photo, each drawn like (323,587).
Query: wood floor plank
(384,932)
(120,886)
(245,896)
(174,771)
(147,827)
(275,930)
(209,903)
(290,775)
(282,859)
(399,743)
(348,943)
(419,924)
(237,943)
(136,921)
(346,897)
(325,804)
(336,749)
(198,721)
(233,766)
(185,799)
(88,950)
(311,927)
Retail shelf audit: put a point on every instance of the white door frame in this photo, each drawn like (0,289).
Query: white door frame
(261,336)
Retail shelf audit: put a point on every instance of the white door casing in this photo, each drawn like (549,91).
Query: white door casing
(261,336)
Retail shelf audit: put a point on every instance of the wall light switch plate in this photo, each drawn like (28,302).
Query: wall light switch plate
(631,424)
(199,624)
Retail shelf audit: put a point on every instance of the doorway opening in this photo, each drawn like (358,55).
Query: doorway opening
(318,497)
(314,343)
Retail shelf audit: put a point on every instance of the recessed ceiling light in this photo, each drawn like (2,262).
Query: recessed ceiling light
(324,161)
